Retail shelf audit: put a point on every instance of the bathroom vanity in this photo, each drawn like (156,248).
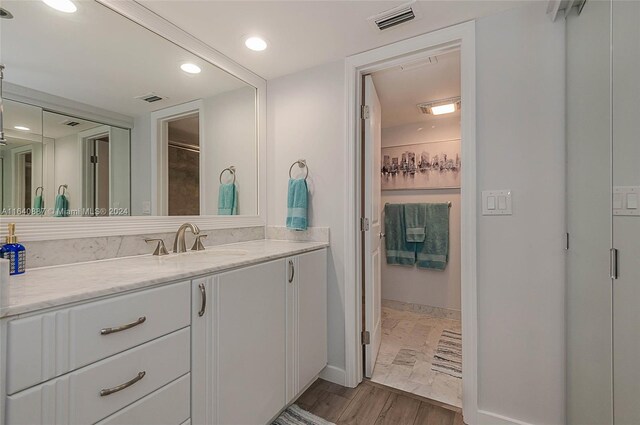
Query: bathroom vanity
(229,335)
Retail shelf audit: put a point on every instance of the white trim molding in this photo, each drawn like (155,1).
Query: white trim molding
(460,37)
(48,228)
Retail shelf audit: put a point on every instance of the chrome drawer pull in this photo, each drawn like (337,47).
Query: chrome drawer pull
(203,305)
(292,271)
(121,387)
(107,331)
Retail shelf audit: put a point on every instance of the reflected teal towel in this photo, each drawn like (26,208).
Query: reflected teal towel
(398,250)
(228,199)
(62,206)
(297,204)
(415,216)
(433,253)
(38,206)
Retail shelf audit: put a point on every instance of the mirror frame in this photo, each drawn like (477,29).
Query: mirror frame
(30,228)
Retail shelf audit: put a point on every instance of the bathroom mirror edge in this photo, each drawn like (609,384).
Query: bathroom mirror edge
(52,228)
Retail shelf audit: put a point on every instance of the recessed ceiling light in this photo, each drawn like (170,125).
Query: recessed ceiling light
(65,6)
(190,68)
(22,128)
(255,43)
(440,107)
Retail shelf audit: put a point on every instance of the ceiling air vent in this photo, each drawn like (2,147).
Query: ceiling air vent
(70,123)
(150,98)
(396,16)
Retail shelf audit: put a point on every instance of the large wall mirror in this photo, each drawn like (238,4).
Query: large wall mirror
(104,117)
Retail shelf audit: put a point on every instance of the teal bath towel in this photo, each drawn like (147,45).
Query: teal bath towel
(38,206)
(415,216)
(398,250)
(297,204)
(228,199)
(62,206)
(433,253)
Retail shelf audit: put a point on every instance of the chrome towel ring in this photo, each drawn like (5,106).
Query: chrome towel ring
(64,189)
(41,190)
(302,163)
(231,170)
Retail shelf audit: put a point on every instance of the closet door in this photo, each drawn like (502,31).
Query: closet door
(626,210)
(589,286)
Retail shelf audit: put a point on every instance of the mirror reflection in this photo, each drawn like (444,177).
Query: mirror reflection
(105,118)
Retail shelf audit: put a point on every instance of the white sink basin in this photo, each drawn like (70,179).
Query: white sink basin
(206,253)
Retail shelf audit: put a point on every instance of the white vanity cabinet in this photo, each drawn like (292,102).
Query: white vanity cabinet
(306,320)
(260,327)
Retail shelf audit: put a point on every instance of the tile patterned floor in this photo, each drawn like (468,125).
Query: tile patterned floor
(409,341)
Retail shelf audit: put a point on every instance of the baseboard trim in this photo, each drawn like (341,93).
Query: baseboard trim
(490,418)
(334,374)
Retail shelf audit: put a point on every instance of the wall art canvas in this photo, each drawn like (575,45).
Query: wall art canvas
(422,166)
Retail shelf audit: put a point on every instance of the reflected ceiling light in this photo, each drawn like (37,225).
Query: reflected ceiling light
(255,43)
(190,68)
(22,128)
(440,107)
(65,6)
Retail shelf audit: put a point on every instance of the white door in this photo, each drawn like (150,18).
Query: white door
(372,212)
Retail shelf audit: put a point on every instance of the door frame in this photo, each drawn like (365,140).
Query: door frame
(159,153)
(460,36)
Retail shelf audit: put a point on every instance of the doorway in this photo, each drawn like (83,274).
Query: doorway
(460,36)
(183,165)
(411,194)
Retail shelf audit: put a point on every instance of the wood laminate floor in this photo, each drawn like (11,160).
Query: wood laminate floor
(374,404)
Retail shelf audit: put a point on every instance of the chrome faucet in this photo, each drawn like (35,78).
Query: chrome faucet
(179,244)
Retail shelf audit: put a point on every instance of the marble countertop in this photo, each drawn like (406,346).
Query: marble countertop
(55,286)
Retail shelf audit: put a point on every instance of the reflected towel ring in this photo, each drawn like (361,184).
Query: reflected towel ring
(232,170)
(64,189)
(41,190)
(302,163)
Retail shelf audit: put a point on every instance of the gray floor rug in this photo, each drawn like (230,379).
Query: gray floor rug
(448,357)
(294,415)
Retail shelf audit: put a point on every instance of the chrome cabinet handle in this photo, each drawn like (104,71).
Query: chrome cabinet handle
(107,331)
(292,271)
(203,305)
(108,391)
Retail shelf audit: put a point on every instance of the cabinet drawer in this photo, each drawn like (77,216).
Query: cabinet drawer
(167,406)
(44,346)
(76,398)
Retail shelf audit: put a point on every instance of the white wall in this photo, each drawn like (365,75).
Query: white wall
(410,284)
(306,119)
(141,166)
(520,136)
(68,170)
(521,281)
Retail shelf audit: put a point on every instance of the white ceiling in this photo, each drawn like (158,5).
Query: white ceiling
(303,34)
(401,90)
(97,57)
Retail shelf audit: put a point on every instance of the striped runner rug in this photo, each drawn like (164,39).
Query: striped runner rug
(448,357)
(294,415)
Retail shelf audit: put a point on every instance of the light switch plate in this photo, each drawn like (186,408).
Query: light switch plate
(625,200)
(496,202)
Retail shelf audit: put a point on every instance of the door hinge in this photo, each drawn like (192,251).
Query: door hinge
(366,338)
(613,263)
(566,241)
(364,112)
(94,159)
(364,224)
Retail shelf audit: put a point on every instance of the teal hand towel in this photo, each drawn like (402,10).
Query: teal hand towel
(415,216)
(433,253)
(38,206)
(62,206)
(398,250)
(297,204)
(228,199)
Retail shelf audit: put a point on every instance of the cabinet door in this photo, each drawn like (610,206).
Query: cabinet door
(250,346)
(312,315)
(203,396)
